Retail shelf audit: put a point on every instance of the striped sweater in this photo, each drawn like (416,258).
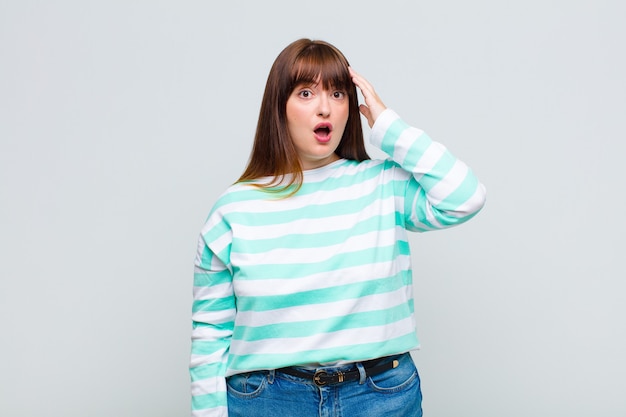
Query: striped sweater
(322,276)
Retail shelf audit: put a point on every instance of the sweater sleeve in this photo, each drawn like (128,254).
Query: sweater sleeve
(213,318)
(442,191)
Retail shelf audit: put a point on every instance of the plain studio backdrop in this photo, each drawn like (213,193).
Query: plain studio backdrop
(122,121)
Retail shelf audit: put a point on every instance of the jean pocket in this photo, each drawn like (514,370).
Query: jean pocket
(396,379)
(246,385)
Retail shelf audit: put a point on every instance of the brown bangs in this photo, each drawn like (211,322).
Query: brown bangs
(319,62)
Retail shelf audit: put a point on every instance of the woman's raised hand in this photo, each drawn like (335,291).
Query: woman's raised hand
(373,106)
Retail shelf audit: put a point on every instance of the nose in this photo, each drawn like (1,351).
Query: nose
(324,106)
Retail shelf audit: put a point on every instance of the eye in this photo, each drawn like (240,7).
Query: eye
(305,93)
(339,94)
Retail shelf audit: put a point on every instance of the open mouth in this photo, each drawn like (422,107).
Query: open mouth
(322,131)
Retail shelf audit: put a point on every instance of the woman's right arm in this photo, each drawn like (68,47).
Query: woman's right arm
(213,320)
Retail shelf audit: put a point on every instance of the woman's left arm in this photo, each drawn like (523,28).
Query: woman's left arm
(443,191)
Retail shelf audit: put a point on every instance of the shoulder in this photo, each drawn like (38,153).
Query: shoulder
(237,194)
(236,199)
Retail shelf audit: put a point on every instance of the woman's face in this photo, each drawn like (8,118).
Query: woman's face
(316,119)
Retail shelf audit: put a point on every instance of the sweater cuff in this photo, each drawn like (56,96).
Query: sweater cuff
(382,123)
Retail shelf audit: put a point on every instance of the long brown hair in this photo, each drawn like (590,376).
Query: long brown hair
(273,153)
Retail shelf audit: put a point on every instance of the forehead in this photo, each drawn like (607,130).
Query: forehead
(326,70)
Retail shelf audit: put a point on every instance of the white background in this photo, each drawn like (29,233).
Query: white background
(122,121)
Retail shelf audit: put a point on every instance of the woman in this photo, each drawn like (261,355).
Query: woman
(303,297)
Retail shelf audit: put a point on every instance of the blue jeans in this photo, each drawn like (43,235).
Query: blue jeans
(393,393)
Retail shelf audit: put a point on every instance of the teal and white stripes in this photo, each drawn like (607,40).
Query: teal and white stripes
(323,275)
(446,192)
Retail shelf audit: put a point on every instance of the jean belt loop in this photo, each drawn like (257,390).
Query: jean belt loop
(270,376)
(362,374)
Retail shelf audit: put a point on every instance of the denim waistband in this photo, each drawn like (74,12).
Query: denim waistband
(328,375)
